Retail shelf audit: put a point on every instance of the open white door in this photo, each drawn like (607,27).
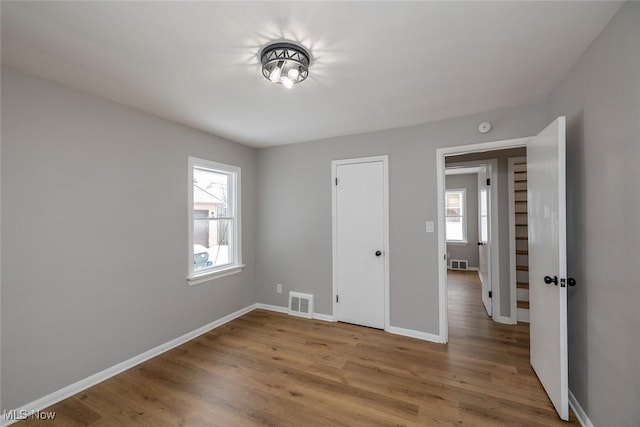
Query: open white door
(548,262)
(484,236)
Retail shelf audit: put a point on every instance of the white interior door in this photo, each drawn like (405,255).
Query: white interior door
(359,243)
(484,236)
(547,258)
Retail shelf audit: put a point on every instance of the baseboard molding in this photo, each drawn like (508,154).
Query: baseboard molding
(415,334)
(505,320)
(472,268)
(280,309)
(77,387)
(324,317)
(392,329)
(582,417)
(269,307)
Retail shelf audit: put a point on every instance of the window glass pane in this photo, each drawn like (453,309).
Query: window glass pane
(211,194)
(454,228)
(212,243)
(453,199)
(454,212)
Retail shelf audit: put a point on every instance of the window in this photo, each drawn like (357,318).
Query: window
(484,215)
(214,220)
(455,201)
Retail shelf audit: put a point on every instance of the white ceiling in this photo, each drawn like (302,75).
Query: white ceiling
(376,65)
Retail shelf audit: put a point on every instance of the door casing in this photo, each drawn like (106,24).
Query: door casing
(441,153)
(385,232)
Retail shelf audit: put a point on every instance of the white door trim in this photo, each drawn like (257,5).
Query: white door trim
(385,232)
(442,244)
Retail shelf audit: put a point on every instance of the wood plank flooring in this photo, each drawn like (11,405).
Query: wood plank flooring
(272,369)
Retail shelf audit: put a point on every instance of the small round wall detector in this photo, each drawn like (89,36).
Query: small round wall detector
(484,127)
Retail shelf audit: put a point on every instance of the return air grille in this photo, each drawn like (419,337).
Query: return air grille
(459,264)
(301,304)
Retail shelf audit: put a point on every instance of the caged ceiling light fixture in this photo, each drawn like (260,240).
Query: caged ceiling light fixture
(285,63)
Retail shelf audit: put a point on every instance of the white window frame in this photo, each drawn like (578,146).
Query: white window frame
(463,208)
(201,276)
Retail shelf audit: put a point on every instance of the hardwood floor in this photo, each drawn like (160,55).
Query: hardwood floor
(272,369)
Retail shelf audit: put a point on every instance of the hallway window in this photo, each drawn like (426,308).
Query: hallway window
(456,220)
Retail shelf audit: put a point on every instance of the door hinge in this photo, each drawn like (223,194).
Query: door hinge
(336,181)
(563,283)
(488,181)
(490,294)
(337,298)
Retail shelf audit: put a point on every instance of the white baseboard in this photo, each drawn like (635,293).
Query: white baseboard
(280,309)
(392,329)
(77,387)
(582,417)
(324,317)
(505,320)
(415,334)
(276,308)
(472,268)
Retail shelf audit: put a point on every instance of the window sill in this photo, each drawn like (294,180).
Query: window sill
(196,279)
(457,242)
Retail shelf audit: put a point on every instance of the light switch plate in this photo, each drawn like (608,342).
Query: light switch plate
(429,226)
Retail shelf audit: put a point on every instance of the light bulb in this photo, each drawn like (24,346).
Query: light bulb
(275,74)
(293,74)
(287,82)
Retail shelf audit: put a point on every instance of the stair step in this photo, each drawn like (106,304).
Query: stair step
(522,285)
(522,225)
(519,180)
(522,238)
(522,252)
(520,191)
(522,268)
(523,304)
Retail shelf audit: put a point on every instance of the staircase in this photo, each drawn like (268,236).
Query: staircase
(521,239)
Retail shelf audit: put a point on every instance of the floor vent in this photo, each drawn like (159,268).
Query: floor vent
(301,304)
(459,264)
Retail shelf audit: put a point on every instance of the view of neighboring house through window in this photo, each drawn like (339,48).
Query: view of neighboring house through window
(456,229)
(214,217)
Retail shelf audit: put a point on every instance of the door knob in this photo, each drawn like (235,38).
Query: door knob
(378,253)
(548,280)
(571,281)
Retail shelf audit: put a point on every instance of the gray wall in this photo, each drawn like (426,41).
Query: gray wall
(503,213)
(94,235)
(601,98)
(294,220)
(468,251)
